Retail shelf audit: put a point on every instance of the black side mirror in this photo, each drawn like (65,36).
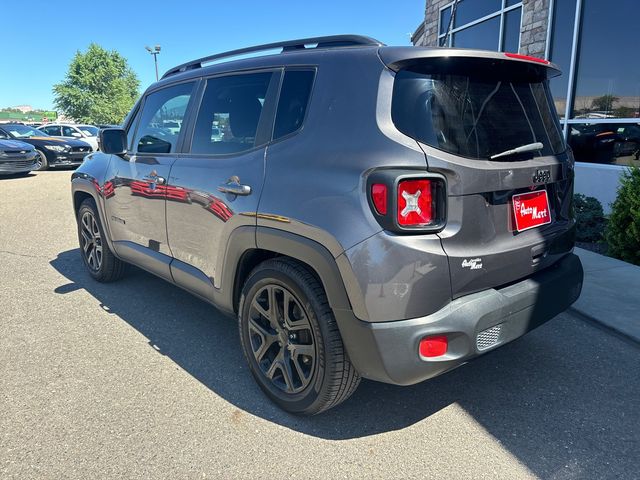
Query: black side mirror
(113,141)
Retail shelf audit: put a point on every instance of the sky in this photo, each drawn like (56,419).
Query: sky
(41,40)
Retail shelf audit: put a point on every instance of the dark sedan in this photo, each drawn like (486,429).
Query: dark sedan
(16,157)
(52,151)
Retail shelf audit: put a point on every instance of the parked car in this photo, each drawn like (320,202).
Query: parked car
(52,151)
(371,211)
(86,133)
(16,157)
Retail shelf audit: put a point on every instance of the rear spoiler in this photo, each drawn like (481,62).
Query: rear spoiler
(397,58)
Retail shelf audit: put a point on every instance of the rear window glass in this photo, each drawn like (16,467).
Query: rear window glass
(294,97)
(475,116)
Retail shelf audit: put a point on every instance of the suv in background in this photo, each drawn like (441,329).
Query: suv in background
(368,211)
(86,133)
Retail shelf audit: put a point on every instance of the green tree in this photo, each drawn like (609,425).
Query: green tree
(623,232)
(604,103)
(99,87)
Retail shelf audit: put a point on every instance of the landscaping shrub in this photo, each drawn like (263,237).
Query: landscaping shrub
(623,232)
(590,219)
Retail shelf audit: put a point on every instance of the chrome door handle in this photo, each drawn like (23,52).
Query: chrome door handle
(235,188)
(155,179)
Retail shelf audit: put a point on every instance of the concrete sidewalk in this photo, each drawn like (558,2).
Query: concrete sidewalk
(611,293)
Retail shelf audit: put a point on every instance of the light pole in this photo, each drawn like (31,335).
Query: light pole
(154,51)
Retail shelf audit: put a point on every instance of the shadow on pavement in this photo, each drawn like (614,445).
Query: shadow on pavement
(562,399)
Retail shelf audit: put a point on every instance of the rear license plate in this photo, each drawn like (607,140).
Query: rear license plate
(531,210)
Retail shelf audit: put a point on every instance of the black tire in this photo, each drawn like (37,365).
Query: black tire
(100,261)
(42,163)
(320,374)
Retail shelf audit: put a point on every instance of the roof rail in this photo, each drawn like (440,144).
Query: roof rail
(332,41)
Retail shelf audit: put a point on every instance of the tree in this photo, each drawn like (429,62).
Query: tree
(604,103)
(99,87)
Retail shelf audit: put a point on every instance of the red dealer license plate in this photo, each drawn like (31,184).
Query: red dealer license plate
(531,210)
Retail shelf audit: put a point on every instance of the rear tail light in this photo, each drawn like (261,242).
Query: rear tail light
(415,203)
(435,346)
(379,197)
(408,202)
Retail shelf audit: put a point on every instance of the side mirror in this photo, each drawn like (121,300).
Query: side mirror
(113,141)
(76,134)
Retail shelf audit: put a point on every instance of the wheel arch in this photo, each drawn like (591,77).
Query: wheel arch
(270,242)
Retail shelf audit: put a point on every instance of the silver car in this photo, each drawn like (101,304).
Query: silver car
(16,157)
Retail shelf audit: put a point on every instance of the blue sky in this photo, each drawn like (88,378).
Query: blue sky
(41,37)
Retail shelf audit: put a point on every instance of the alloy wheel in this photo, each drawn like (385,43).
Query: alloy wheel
(91,241)
(281,339)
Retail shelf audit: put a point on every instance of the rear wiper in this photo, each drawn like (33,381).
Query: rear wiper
(529,147)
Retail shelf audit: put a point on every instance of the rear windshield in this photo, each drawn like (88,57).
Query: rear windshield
(477,115)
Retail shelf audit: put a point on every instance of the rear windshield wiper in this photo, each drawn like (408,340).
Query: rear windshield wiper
(529,147)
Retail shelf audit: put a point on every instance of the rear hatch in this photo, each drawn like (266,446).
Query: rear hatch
(488,123)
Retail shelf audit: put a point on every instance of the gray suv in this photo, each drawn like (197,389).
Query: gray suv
(363,210)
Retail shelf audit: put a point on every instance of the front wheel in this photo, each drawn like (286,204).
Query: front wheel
(100,261)
(41,161)
(291,340)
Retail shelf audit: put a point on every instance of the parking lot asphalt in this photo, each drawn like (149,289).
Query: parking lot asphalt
(139,379)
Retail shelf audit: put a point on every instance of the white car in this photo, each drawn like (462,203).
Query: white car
(86,133)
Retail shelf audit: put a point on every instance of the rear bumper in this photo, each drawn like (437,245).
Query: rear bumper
(474,324)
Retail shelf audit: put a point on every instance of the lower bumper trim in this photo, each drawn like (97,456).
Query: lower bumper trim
(474,324)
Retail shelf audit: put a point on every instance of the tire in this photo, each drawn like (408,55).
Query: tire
(100,261)
(42,163)
(299,361)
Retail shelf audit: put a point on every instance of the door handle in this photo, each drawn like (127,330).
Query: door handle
(155,179)
(235,188)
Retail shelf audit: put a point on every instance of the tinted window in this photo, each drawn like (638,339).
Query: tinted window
(69,132)
(561,40)
(292,105)
(470,10)
(3,135)
(161,119)
(484,35)
(230,113)
(474,115)
(445,18)
(53,131)
(614,143)
(511,33)
(608,70)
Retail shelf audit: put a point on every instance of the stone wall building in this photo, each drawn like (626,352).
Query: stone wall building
(593,42)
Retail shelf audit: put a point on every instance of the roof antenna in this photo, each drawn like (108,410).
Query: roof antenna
(445,39)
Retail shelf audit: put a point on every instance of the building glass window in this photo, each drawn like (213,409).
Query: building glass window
(611,143)
(607,69)
(483,35)
(564,13)
(471,10)
(477,25)
(511,34)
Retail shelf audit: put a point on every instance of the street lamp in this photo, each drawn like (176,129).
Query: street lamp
(154,51)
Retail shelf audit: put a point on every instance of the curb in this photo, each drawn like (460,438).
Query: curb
(604,326)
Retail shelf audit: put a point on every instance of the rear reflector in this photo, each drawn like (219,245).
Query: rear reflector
(379,197)
(415,203)
(527,57)
(433,346)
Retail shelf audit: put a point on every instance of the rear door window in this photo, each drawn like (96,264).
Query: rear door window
(477,115)
(230,113)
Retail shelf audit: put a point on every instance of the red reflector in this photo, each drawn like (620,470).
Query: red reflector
(527,57)
(433,346)
(415,205)
(379,197)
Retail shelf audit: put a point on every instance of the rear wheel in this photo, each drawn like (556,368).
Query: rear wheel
(41,161)
(100,261)
(291,340)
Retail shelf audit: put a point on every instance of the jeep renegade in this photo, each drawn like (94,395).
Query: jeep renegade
(363,210)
